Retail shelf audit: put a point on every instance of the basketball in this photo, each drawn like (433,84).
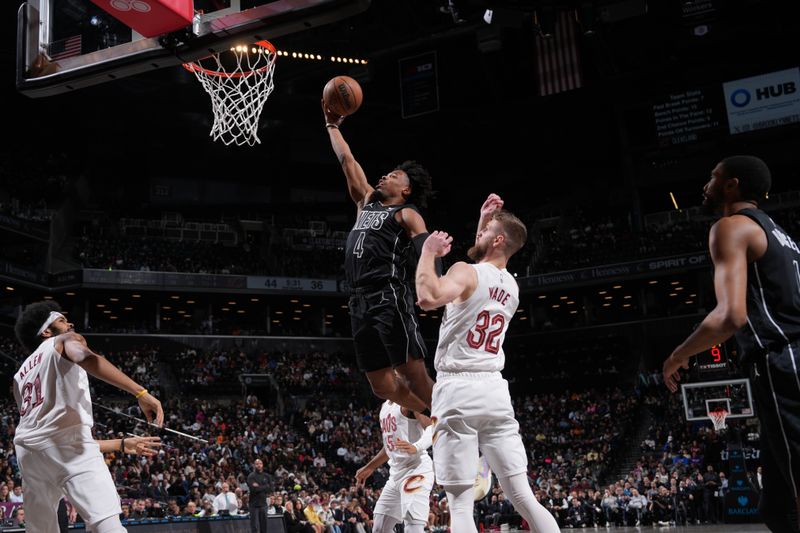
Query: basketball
(342,95)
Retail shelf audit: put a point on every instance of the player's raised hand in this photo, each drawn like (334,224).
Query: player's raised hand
(330,116)
(152,409)
(438,243)
(493,203)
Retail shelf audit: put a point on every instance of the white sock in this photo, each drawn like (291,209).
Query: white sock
(517,490)
(109,525)
(461,498)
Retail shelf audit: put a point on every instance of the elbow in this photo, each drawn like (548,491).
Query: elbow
(734,320)
(426,303)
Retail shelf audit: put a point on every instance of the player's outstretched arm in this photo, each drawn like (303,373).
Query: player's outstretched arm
(729,241)
(365,471)
(146,446)
(357,184)
(433,291)
(75,349)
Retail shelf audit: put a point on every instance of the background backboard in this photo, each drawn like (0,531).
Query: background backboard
(735,396)
(68,44)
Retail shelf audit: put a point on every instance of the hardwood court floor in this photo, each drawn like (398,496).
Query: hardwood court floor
(718,528)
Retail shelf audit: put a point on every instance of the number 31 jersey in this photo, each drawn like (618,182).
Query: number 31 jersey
(472,332)
(52,395)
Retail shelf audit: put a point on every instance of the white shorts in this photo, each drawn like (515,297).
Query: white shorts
(406,496)
(472,412)
(73,467)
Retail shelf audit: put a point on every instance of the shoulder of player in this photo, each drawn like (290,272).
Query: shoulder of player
(71,336)
(462,268)
(735,228)
(410,218)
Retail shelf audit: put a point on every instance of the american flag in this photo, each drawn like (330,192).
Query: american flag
(71,46)
(558,62)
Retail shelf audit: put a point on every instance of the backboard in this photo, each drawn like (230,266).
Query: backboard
(63,45)
(733,395)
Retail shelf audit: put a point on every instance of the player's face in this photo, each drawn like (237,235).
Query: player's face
(713,191)
(484,240)
(392,185)
(259,465)
(61,325)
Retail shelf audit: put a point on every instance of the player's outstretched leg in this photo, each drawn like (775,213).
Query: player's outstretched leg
(519,492)
(109,525)
(419,381)
(413,527)
(461,499)
(387,386)
(384,523)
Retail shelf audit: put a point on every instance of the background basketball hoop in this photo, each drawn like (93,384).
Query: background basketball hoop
(238,85)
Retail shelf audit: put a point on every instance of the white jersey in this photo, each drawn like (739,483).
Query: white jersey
(395,425)
(472,332)
(52,395)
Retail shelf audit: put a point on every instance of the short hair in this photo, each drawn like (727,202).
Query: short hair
(31,320)
(421,183)
(753,174)
(513,228)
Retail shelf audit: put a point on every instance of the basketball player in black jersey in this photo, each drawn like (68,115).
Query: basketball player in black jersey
(757,285)
(380,262)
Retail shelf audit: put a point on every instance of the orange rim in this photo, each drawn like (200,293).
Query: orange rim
(196,67)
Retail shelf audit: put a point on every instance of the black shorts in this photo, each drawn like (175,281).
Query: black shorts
(385,327)
(777,396)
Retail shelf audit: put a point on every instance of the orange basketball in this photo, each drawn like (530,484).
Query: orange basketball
(342,95)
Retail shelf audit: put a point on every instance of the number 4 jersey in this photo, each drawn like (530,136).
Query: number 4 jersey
(52,395)
(472,332)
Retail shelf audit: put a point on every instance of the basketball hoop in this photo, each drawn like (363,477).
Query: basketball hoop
(718,419)
(238,90)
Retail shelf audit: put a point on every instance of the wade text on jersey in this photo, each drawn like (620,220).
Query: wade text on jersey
(498,294)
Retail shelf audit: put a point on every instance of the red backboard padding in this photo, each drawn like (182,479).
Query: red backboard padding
(150,17)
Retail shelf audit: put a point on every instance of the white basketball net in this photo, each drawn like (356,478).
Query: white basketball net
(238,93)
(718,419)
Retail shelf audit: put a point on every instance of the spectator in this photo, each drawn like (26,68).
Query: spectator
(225,503)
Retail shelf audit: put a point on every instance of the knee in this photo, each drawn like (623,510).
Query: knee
(413,369)
(383,384)
(383,390)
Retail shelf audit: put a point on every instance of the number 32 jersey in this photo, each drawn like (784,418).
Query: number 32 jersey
(52,395)
(472,332)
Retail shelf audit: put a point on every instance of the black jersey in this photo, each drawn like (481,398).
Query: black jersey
(773,291)
(378,248)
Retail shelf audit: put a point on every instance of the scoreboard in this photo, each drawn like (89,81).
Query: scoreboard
(713,360)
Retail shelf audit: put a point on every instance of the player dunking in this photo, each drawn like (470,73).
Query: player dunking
(380,266)
(471,403)
(406,495)
(56,453)
(757,285)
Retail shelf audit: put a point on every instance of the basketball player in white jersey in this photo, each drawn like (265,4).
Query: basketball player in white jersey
(471,403)
(56,453)
(406,495)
